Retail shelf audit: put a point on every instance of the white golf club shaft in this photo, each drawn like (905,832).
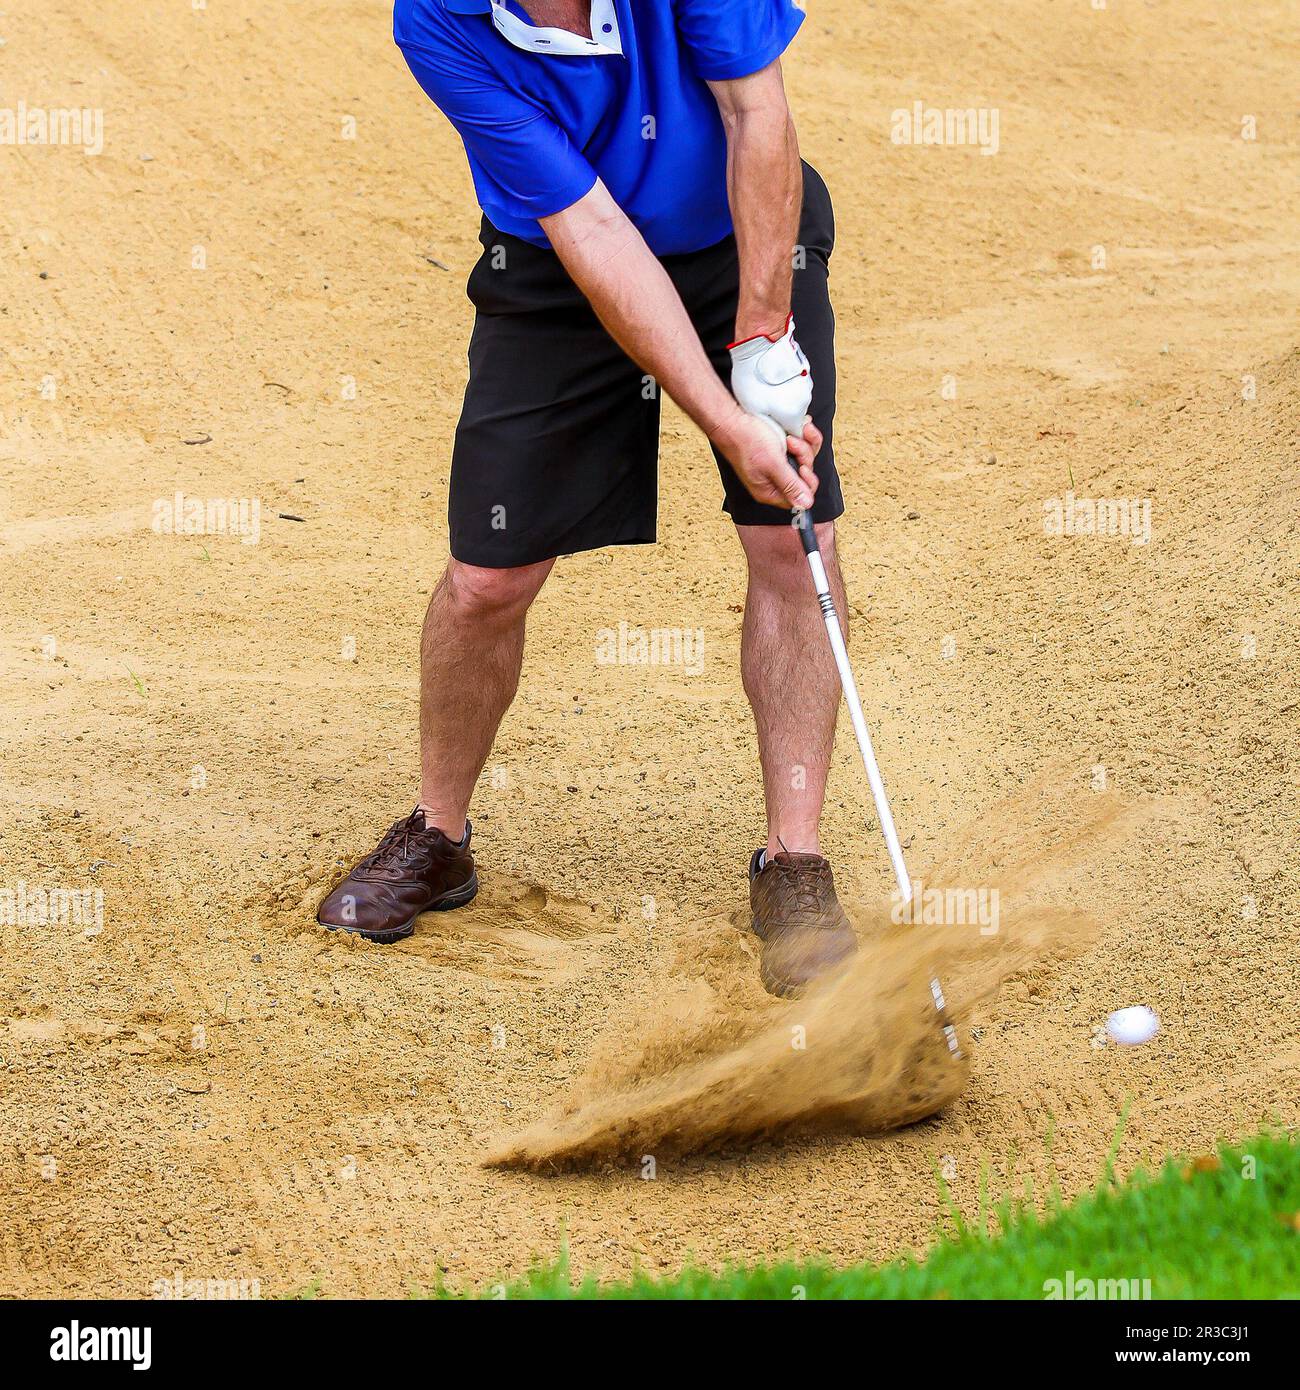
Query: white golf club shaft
(808,537)
(836,635)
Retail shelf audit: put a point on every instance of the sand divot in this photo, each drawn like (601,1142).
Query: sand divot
(718,1063)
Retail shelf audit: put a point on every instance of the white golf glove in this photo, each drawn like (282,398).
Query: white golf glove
(770,379)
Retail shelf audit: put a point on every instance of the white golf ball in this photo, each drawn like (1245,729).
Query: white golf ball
(1133,1025)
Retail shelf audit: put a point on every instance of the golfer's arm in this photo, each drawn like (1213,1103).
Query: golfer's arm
(765,188)
(639,305)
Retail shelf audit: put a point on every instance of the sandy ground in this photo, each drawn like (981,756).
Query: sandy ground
(210,1085)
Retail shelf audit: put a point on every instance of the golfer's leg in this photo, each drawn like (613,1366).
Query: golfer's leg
(471,651)
(789,675)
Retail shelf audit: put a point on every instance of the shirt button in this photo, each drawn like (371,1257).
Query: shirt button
(606,28)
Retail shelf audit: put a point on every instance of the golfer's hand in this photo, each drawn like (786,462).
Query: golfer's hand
(770,378)
(756,448)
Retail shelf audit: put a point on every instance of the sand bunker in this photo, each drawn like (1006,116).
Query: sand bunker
(864,1053)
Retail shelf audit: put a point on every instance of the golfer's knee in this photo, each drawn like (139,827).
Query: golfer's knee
(775,556)
(483,595)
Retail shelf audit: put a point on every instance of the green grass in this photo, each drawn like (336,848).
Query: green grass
(309,1293)
(1223,1226)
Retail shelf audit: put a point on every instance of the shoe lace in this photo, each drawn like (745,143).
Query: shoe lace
(805,883)
(395,847)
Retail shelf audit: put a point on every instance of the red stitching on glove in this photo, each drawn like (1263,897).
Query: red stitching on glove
(754,337)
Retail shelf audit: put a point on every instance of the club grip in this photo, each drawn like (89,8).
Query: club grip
(802,522)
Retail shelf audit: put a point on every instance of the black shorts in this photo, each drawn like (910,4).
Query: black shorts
(557,449)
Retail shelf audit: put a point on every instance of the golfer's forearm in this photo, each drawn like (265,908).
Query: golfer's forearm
(638,304)
(765,186)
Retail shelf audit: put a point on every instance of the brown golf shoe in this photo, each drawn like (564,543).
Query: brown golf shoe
(412,870)
(799,920)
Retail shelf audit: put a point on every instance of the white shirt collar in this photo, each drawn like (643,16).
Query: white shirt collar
(560,42)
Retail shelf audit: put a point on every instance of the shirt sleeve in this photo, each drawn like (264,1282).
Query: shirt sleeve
(523,163)
(733,38)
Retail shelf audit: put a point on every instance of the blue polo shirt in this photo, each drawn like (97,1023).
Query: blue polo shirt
(543,114)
